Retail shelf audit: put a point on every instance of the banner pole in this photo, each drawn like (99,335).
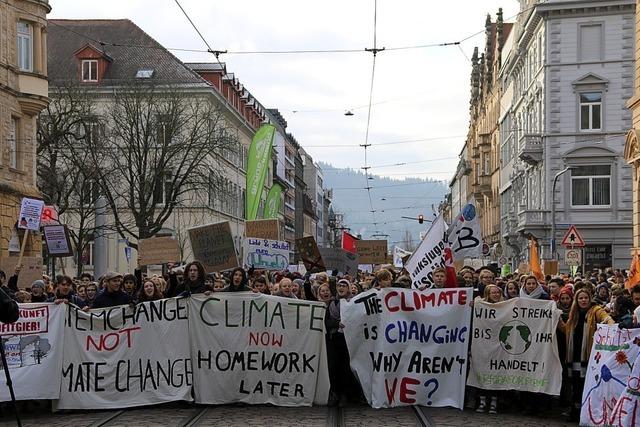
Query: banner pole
(23,246)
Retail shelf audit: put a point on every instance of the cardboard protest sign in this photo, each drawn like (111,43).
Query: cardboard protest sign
(258,349)
(371,251)
(409,347)
(514,346)
(57,240)
(34,349)
(122,357)
(31,269)
(612,383)
(30,214)
(159,250)
(339,259)
(266,254)
(213,246)
(263,229)
(310,255)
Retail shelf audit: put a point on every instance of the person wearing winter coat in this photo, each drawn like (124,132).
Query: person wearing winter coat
(64,293)
(533,289)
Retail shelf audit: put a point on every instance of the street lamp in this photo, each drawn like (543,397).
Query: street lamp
(554,254)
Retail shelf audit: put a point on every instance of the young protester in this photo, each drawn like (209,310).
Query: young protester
(602,294)
(81,291)
(296,287)
(468,278)
(91,293)
(486,277)
(112,294)
(533,289)
(511,290)
(23,297)
(579,330)
(149,292)
(239,281)
(439,277)
(492,295)
(355,289)
(554,288)
(37,291)
(383,279)
(286,289)
(260,285)
(64,293)
(192,282)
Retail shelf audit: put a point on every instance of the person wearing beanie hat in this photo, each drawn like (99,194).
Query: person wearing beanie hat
(37,291)
(602,294)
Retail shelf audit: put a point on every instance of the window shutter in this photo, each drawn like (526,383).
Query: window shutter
(590,43)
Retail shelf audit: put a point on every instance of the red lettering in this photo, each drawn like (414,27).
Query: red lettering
(391,294)
(406,391)
(253,338)
(462,298)
(403,303)
(390,392)
(128,331)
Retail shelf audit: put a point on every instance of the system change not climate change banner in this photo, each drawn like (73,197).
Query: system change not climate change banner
(409,347)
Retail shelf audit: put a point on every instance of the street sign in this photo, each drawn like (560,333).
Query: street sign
(572,238)
(573,257)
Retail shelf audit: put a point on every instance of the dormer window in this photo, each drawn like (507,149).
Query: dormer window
(89,70)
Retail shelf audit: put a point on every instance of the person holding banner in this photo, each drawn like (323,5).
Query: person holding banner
(37,291)
(112,294)
(533,289)
(192,282)
(511,290)
(239,281)
(64,293)
(584,317)
(492,295)
(91,293)
(148,292)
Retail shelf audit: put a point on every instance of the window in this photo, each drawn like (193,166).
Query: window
(590,43)
(25,46)
(163,188)
(591,111)
(13,142)
(591,185)
(89,70)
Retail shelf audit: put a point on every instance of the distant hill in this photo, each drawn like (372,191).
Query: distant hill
(407,197)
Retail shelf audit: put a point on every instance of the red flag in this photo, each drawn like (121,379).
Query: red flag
(634,272)
(349,242)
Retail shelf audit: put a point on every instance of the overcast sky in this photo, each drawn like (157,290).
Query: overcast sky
(418,93)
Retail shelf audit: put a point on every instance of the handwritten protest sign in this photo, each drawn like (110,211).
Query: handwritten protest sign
(31,269)
(266,254)
(158,250)
(464,234)
(409,347)
(258,349)
(612,383)
(213,246)
(33,346)
(371,251)
(122,357)
(309,254)
(514,346)
(30,214)
(57,240)
(263,229)
(430,254)
(338,259)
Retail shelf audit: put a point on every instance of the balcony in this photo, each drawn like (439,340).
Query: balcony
(485,185)
(475,152)
(531,218)
(530,148)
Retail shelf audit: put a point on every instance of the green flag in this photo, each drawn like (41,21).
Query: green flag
(272,206)
(257,167)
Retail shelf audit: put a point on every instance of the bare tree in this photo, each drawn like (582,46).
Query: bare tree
(158,152)
(67,123)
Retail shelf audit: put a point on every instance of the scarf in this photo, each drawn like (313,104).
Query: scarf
(535,294)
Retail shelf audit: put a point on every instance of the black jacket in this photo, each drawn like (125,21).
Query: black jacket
(111,299)
(70,297)
(9,312)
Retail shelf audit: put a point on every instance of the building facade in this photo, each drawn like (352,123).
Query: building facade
(566,79)
(23,94)
(483,138)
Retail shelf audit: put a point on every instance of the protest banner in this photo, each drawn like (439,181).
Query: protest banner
(159,250)
(213,246)
(309,254)
(121,356)
(339,259)
(433,251)
(263,229)
(409,347)
(34,348)
(514,346)
(258,349)
(31,269)
(612,382)
(266,254)
(56,238)
(398,255)
(464,234)
(371,251)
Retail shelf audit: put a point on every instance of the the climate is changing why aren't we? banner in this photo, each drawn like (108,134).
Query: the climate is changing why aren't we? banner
(514,346)
(258,349)
(33,346)
(126,356)
(409,347)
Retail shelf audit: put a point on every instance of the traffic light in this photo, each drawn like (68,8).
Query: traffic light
(420,219)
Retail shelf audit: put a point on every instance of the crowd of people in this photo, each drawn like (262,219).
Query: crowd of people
(585,301)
